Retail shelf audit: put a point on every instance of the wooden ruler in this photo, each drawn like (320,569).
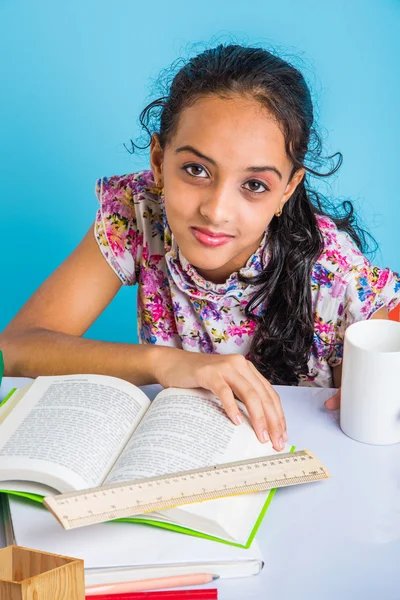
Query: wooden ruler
(116,501)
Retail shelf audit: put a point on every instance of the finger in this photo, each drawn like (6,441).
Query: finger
(263,415)
(275,397)
(221,389)
(268,403)
(333,403)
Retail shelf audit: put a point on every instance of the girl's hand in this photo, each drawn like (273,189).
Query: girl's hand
(333,403)
(227,376)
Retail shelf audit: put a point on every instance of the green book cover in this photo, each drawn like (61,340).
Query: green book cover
(10,393)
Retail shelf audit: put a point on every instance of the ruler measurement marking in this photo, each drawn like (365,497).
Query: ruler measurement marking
(86,507)
(109,515)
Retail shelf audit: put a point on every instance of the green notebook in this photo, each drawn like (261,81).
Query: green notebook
(73,432)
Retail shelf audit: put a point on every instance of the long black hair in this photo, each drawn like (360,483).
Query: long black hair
(281,344)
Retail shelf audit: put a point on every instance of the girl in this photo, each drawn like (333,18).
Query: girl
(244,281)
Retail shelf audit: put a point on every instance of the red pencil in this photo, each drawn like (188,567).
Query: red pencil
(205,594)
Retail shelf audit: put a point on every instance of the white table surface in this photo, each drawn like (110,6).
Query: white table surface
(330,540)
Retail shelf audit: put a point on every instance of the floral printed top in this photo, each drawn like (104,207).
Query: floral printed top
(177,307)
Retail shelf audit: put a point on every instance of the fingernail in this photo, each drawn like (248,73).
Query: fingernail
(265,435)
(238,419)
(285,437)
(281,443)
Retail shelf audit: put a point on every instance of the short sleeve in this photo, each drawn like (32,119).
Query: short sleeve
(366,289)
(116,228)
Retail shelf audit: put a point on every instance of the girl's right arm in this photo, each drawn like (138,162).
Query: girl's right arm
(44,338)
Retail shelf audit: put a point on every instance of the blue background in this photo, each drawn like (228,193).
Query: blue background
(74,77)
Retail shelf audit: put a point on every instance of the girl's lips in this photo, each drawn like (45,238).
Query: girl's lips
(208,238)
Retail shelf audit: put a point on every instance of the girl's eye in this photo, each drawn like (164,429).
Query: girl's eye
(257,191)
(200,168)
(193,167)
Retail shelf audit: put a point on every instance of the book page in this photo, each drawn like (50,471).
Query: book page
(189,429)
(68,430)
(183,429)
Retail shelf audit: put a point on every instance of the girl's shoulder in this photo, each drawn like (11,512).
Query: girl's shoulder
(129,225)
(347,287)
(123,193)
(340,254)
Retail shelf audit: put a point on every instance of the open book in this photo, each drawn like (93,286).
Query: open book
(73,432)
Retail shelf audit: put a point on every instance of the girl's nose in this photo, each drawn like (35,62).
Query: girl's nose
(217,207)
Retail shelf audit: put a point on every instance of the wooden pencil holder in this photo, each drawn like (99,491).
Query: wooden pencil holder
(27,574)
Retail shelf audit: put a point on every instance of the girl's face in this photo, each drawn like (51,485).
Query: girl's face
(225,174)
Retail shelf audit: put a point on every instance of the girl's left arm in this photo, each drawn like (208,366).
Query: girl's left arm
(334,402)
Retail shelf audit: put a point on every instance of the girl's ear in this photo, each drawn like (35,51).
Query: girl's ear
(292,185)
(156,160)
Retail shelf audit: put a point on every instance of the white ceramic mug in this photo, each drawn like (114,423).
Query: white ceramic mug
(370,394)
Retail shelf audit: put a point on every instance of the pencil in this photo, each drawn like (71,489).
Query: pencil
(150,584)
(206,594)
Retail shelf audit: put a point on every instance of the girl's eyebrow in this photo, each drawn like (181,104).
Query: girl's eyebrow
(210,160)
